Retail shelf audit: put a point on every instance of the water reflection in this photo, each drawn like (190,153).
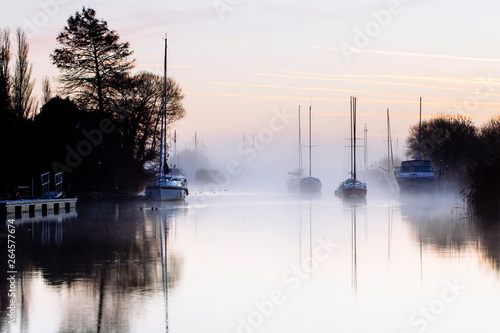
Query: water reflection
(488,243)
(148,267)
(444,228)
(354,262)
(390,217)
(95,271)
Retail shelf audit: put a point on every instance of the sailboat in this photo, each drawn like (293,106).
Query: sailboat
(297,175)
(352,187)
(417,175)
(171,184)
(390,178)
(310,184)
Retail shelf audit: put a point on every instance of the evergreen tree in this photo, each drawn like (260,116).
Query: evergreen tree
(92,60)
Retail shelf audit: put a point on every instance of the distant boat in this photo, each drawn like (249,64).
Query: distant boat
(171,184)
(310,184)
(352,187)
(296,176)
(417,175)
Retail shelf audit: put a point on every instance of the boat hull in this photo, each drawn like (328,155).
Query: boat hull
(353,189)
(166,192)
(417,184)
(354,192)
(416,177)
(310,185)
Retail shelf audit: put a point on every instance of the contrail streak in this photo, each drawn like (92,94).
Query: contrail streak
(413,54)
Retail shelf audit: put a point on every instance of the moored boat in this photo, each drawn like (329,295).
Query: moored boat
(310,184)
(171,187)
(352,188)
(171,184)
(415,176)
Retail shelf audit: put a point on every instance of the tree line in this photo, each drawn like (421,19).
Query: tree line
(100,128)
(470,156)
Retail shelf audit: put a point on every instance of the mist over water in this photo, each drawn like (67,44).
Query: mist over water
(260,261)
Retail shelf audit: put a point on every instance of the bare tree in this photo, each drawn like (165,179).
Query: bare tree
(446,139)
(5,79)
(138,112)
(92,60)
(489,138)
(46,89)
(24,103)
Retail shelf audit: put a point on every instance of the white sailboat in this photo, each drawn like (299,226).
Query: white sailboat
(171,184)
(352,187)
(310,184)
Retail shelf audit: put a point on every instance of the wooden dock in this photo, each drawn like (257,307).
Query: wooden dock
(35,208)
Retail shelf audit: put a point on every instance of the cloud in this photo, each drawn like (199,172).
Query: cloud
(413,54)
(485,87)
(361,79)
(138,64)
(404,77)
(355,91)
(441,103)
(236,42)
(265,96)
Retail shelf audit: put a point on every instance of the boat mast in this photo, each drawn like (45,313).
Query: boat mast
(388,142)
(300,149)
(420,133)
(163,131)
(310,141)
(350,126)
(165,103)
(176,158)
(365,147)
(354,134)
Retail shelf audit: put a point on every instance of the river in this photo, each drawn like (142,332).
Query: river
(224,262)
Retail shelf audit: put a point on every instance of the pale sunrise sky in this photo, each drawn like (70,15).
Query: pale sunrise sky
(241,61)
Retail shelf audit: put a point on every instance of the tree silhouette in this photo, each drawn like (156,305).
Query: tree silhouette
(46,89)
(449,140)
(489,138)
(92,60)
(24,104)
(5,79)
(138,112)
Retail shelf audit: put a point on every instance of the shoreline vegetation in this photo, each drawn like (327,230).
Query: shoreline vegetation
(468,155)
(101,128)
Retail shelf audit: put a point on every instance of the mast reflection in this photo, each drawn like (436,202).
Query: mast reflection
(354,262)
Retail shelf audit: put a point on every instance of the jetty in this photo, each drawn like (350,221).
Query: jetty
(36,208)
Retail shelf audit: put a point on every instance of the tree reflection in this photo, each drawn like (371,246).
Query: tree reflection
(107,262)
(445,227)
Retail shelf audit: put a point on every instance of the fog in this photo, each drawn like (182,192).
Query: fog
(259,158)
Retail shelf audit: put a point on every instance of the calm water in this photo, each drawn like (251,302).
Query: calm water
(257,262)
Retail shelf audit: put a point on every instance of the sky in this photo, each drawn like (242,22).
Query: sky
(244,63)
